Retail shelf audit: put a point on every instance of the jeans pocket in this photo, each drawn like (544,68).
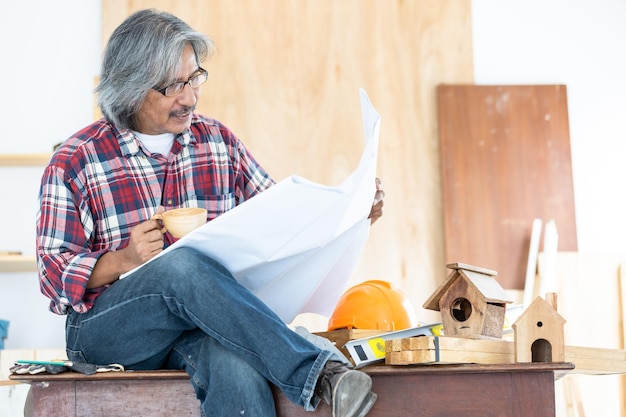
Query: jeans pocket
(75,355)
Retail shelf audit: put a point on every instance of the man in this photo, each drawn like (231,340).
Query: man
(149,153)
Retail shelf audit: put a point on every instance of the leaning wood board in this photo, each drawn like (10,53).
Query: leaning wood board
(505,160)
(447,350)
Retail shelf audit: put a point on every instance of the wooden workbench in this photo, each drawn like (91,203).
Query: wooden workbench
(511,390)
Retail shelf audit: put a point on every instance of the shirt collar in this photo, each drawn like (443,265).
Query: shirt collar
(129,144)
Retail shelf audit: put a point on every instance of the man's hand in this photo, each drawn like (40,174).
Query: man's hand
(146,241)
(377,206)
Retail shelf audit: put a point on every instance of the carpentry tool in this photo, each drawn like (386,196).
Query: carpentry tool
(369,350)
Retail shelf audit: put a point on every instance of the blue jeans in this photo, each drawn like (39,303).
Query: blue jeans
(185,311)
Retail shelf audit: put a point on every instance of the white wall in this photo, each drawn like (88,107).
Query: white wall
(51,53)
(50,56)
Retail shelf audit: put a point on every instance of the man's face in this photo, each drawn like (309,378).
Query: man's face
(161,114)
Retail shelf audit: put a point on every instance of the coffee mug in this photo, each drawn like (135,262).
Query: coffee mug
(178,222)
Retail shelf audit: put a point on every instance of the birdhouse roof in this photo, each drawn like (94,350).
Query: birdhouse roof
(537,309)
(482,279)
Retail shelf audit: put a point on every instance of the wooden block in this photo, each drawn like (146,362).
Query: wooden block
(342,336)
(450,343)
(445,357)
(424,350)
(408,343)
(447,349)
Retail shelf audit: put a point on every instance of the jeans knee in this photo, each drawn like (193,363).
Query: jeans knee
(187,260)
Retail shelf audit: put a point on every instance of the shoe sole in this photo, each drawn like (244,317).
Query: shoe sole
(367,404)
(356,399)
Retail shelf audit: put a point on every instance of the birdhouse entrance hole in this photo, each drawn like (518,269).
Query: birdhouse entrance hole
(541,351)
(461,309)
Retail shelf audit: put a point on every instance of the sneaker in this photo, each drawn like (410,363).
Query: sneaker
(348,392)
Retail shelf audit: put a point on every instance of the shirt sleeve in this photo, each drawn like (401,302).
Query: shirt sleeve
(64,256)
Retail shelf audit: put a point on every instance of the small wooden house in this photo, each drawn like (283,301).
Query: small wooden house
(472,303)
(539,332)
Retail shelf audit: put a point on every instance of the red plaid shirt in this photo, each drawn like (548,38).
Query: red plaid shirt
(102,182)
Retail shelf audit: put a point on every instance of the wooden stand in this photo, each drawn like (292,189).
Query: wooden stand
(515,390)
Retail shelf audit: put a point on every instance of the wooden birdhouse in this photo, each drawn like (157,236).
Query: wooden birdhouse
(472,303)
(539,332)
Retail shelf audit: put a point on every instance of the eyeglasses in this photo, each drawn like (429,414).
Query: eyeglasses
(194,81)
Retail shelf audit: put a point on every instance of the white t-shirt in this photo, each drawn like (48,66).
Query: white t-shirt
(157,143)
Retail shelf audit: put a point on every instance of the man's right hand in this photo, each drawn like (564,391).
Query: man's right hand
(146,241)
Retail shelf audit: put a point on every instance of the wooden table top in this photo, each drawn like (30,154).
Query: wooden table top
(559,369)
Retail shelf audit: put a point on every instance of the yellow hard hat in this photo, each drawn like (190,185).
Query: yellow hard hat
(373,305)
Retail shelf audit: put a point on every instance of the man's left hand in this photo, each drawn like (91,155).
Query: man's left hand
(377,206)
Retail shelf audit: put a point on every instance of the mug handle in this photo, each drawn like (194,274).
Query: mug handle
(159,218)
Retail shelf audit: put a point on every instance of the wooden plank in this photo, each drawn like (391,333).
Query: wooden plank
(449,343)
(23,160)
(342,336)
(505,160)
(610,355)
(434,349)
(18,263)
(444,356)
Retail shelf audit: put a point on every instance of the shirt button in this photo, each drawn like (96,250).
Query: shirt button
(169,202)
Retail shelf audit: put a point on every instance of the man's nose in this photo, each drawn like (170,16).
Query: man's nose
(188,96)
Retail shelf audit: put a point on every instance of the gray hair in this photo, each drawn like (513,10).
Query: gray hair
(143,53)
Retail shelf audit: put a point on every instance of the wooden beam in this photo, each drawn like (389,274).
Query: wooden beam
(23,160)
(446,349)
(18,263)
